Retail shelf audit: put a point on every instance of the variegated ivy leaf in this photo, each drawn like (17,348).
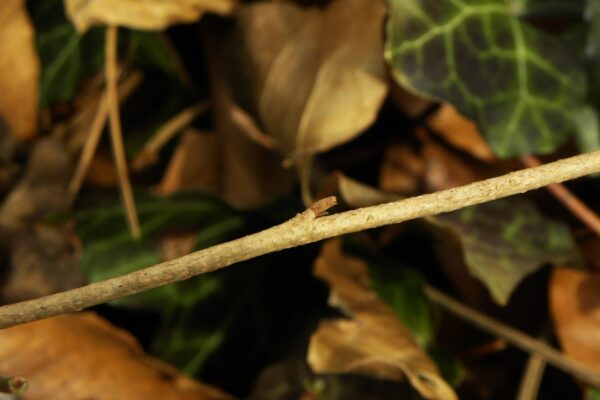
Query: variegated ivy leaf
(517,83)
(505,240)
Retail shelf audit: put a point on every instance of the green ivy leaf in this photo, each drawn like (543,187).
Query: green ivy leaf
(505,240)
(403,291)
(587,132)
(517,83)
(149,50)
(593,394)
(450,367)
(592,16)
(401,288)
(66,56)
(109,249)
(592,48)
(549,8)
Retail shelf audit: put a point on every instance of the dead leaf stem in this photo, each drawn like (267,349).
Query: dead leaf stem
(514,337)
(303,229)
(173,126)
(95,132)
(116,133)
(532,378)
(89,148)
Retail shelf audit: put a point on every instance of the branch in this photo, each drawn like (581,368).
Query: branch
(116,133)
(515,337)
(303,229)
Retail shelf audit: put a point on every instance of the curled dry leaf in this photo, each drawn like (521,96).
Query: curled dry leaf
(20,69)
(246,171)
(575,309)
(460,132)
(357,194)
(42,189)
(81,356)
(374,341)
(142,14)
(326,64)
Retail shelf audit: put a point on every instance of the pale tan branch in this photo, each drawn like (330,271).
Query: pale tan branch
(116,133)
(514,337)
(532,378)
(302,229)
(95,132)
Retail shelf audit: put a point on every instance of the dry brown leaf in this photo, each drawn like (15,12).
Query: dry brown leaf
(102,172)
(357,194)
(374,341)
(19,70)
(590,249)
(575,309)
(43,187)
(460,132)
(194,165)
(42,260)
(81,356)
(447,169)
(326,63)
(412,105)
(245,172)
(142,14)
(172,245)
(402,170)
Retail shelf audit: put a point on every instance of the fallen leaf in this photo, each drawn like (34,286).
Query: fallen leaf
(43,188)
(501,242)
(505,240)
(292,379)
(20,67)
(326,63)
(42,260)
(142,14)
(246,172)
(575,309)
(102,172)
(402,170)
(444,50)
(9,168)
(82,356)
(194,164)
(446,168)
(460,132)
(411,104)
(373,341)
(357,194)
(590,248)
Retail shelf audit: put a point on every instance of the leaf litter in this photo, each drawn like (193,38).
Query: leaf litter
(285,81)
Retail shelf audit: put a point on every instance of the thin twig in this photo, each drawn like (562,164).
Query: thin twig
(513,336)
(300,230)
(149,152)
(89,148)
(95,132)
(116,133)
(572,202)
(532,378)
